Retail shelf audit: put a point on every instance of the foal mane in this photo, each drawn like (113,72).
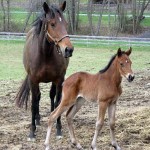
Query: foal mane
(110,62)
(37,23)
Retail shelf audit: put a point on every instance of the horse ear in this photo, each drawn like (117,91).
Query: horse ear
(63,6)
(129,51)
(119,52)
(46,7)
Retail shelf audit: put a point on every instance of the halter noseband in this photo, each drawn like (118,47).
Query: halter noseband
(54,40)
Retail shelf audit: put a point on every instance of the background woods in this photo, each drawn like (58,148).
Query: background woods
(87,17)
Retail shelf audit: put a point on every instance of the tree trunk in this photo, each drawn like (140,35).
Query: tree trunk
(8,15)
(4,15)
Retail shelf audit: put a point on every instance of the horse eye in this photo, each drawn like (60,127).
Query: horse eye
(52,25)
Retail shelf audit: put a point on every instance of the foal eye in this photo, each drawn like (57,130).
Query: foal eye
(121,64)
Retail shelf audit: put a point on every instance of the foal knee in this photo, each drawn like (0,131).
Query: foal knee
(112,125)
(99,124)
(51,119)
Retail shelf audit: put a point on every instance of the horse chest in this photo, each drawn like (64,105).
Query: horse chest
(48,73)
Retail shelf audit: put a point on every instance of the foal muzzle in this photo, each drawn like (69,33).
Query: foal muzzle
(130,77)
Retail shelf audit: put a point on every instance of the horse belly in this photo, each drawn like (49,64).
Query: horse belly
(49,75)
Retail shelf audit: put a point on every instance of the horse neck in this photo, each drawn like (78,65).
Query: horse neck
(44,45)
(114,74)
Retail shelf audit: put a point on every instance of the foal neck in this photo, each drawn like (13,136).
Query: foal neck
(113,73)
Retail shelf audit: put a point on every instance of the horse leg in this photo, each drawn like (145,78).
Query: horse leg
(53,116)
(37,117)
(52,96)
(99,123)
(111,116)
(58,98)
(69,116)
(34,109)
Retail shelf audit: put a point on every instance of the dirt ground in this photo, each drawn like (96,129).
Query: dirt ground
(132,120)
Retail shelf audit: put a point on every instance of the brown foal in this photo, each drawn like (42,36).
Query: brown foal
(103,88)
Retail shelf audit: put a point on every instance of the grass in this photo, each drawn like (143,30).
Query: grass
(84,59)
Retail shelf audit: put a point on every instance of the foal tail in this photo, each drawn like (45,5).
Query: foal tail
(23,94)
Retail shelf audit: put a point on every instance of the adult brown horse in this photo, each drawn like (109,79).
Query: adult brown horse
(46,57)
(103,87)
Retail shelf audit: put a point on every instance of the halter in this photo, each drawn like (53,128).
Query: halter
(54,40)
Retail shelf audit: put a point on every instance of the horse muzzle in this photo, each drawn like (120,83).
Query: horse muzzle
(68,52)
(130,77)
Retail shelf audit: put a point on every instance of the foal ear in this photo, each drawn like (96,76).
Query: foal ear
(119,52)
(46,7)
(63,6)
(128,52)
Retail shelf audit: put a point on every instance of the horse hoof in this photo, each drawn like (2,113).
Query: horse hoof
(37,122)
(59,137)
(31,139)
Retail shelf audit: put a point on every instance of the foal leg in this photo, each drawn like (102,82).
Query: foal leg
(99,123)
(53,116)
(69,116)
(111,115)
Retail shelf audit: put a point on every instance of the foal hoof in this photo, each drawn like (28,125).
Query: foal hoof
(93,148)
(78,146)
(47,148)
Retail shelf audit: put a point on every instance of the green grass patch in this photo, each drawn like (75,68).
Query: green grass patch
(90,59)
(146,22)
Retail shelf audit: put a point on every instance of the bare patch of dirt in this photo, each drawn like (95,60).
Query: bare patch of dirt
(132,120)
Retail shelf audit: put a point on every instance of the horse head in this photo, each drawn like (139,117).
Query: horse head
(55,28)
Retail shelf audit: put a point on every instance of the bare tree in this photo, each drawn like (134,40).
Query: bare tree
(137,13)
(5,4)
(4,15)
(129,24)
(73,15)
(95,30)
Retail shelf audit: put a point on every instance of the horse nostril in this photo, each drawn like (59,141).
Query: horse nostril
(133,78)
(68,51)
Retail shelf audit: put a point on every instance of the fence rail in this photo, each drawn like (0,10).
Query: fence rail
(87,40)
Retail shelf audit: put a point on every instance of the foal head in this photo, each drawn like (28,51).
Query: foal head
(55,28)
(124,64)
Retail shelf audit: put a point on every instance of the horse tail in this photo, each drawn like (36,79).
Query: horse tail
(23,94)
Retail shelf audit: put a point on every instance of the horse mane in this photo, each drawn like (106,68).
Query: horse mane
(110,62)
(37,23)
